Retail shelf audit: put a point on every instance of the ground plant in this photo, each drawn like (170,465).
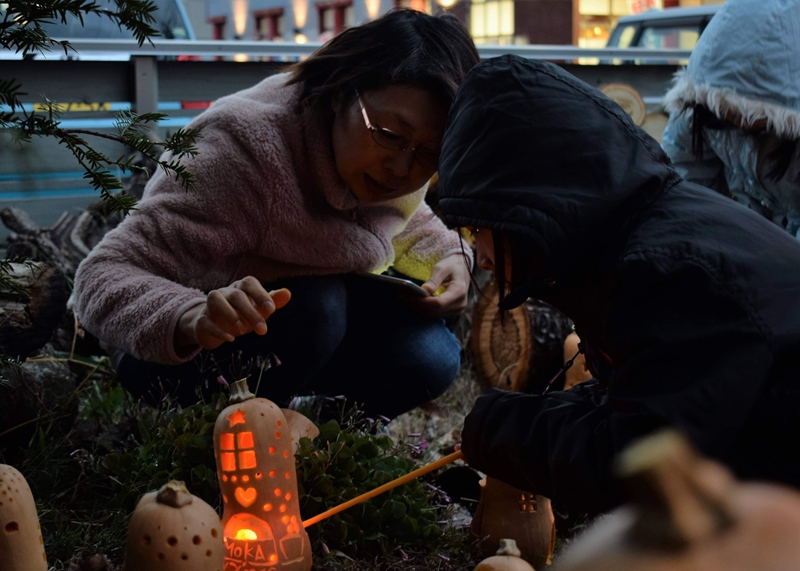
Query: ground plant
(88,480)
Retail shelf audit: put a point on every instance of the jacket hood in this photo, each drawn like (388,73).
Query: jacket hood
(747,61)
(531,149)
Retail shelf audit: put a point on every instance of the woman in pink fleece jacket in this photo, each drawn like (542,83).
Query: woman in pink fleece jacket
(301,180)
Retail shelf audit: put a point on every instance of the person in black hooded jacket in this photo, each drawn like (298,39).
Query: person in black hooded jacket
(687,304)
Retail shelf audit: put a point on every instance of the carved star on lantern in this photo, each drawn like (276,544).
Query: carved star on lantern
(237,417)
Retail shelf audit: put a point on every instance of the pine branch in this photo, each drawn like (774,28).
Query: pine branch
(115,138)
(21,29)
(7,283)
(10,92)
(133,132)
(182,143)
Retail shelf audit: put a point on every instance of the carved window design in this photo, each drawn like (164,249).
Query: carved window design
(527,503)
(237,446)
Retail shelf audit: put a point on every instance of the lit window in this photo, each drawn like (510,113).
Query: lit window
(334,17)
(492,21)
(418,5)
(245,440)
(228,461)
(244,445)
(226,441)
(269,25)
(527,503)
(247,459)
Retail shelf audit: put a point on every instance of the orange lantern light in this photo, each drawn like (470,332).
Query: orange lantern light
(261,522)
(21,544)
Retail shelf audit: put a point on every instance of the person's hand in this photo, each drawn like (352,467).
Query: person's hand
(242,307)
(451,278)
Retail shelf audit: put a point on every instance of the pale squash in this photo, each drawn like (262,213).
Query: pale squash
(507,558)
(21,543)
(299,426)
(689,514)
(173,530)
(262,526)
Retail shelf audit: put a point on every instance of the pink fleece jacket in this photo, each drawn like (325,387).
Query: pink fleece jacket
(268,203)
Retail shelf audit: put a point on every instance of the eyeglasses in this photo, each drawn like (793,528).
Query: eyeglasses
(394,142)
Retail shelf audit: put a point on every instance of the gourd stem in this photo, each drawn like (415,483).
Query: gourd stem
(174,494)
(240,392)
(385,487)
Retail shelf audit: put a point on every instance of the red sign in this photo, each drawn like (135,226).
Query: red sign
(637,6)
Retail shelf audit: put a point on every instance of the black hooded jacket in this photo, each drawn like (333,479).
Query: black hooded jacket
(688,303)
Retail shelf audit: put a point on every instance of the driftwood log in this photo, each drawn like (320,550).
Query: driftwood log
(42,388)
(29,317)
(522,351)
(37,390)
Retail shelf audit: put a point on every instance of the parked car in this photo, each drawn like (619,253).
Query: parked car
(678,28)
(44,179)
(171,21)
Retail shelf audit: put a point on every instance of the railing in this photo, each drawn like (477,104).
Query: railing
(285,49)
(113,75)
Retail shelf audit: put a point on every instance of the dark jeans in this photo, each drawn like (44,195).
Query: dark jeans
(339,335)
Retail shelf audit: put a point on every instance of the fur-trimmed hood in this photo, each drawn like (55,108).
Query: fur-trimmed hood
(747,62)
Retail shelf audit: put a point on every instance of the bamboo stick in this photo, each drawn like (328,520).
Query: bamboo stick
(449,459)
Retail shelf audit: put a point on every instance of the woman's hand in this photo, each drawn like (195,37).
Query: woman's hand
(452,274)
(242,307)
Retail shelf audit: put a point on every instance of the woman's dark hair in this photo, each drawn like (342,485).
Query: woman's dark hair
(520,250)
(403,47)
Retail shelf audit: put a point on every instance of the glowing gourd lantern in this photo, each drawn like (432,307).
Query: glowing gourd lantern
(262,528)
(172,529)
(21,544)
(504,512)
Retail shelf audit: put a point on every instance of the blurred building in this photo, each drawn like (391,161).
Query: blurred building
(585,23)
(594,19)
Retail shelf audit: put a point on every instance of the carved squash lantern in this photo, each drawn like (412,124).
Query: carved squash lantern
(172,529)
(262,527)
(504,512)
(21,544)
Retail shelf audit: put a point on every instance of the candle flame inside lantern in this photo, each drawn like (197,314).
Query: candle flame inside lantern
(247,534)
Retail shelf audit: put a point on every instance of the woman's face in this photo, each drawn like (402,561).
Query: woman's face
(374,173)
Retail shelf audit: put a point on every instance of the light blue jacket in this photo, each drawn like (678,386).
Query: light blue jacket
(747,63)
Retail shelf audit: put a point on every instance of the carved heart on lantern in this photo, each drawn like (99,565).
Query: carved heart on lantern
(246,497)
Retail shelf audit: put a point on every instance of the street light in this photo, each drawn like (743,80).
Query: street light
(239,9)
(300,9)
(373,7)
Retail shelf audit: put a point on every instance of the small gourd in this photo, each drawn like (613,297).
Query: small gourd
(507,558)
(504,512)
(262,526)
(300,427)
(21,543)
(689,514)
(175,531)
